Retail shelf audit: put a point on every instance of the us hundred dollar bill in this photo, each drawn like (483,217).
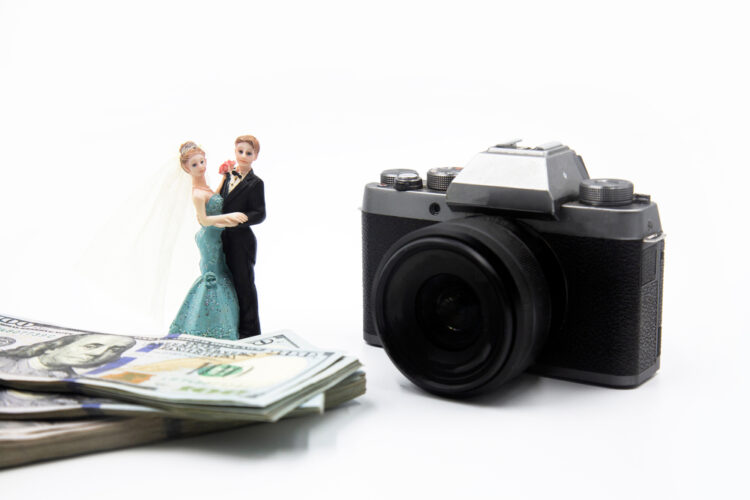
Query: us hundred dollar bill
(182,376)
(34,405)
(29,405)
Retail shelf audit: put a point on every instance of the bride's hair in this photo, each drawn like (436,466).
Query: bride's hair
(250,139)
(189,149)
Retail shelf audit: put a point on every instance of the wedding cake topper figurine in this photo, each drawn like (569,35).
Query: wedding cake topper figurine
(146,239)
(211,307)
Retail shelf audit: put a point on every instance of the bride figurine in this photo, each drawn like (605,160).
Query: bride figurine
(210,308)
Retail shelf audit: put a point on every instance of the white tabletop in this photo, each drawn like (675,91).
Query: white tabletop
(94,96)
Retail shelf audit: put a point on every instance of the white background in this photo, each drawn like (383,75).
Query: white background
(94,96)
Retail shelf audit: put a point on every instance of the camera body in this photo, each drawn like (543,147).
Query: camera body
(521,254)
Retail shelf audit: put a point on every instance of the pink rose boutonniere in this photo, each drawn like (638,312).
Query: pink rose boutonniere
(227,166)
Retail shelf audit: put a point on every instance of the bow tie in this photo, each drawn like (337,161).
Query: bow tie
(236,174)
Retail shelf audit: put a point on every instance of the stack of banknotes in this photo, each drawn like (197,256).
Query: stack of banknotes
(65,392)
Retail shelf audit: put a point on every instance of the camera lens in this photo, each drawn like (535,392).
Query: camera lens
(462,307)
(448,310)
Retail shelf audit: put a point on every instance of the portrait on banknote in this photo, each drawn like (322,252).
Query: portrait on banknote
(60,357)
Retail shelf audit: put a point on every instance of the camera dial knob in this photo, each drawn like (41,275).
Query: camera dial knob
(407,181)
(605,192)
(388,177)
(440,178)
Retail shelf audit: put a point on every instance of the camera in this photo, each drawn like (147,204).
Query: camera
(517,261)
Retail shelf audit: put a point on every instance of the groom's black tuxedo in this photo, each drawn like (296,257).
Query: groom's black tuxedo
(240,245)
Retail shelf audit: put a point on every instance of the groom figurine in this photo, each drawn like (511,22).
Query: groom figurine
(242,191)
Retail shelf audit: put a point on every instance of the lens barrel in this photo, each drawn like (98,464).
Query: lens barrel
(463,306)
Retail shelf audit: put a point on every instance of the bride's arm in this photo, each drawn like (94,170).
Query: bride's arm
(224,220)
(221,184)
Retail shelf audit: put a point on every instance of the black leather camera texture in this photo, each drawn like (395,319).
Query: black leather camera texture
(613,319)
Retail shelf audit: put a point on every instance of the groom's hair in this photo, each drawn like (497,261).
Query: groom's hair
(250,139)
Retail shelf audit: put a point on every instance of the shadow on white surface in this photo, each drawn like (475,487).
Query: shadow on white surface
(526,390)
(259,442)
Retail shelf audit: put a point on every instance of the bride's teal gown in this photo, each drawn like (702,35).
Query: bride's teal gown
(210,308)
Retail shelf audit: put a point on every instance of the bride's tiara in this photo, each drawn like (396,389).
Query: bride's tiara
(187,147)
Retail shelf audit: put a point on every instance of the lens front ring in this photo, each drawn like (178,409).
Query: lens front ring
(482,266)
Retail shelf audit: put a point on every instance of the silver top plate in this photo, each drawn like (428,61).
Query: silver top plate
(513,178)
